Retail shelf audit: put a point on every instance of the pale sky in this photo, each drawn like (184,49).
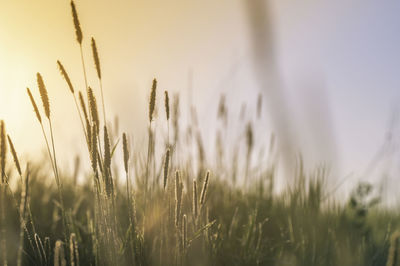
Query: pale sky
(344,51)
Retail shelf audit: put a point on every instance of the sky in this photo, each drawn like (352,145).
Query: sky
(337,61)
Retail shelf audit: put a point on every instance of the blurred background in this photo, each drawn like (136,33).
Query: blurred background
(326,70)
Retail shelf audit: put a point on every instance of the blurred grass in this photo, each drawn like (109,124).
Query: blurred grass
(251,227)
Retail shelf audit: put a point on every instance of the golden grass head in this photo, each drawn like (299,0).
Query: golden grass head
(43,95)
(152,104)
(93,148)
(3,151)
(126,152)
(204,190)
(65,75)
(96,58)
(93,109)
(83,105)
(195,202)
(249,137)
(35,108)
(59,254)
(166,167)
(77,25)
(167,104)
(107,149)
(178,198)
(73,250)
(14,154)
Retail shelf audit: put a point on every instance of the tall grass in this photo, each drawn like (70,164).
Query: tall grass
(200,215)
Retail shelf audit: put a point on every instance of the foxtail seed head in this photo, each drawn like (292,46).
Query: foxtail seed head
(166,167)
(93,148)
(39,117)
(195,201)
(204,190)
(107,149)
(14,154)
(83,105)
(65,75)
(3,151)
(43,95)
(126,151)
(152,104)
(93,109)
(77,25)
(96,58)
(167,105)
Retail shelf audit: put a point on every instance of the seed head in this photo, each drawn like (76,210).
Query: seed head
(195,202)
(126,151)
(93,149)
(43,95)
(34,105)
(152,100)
(77,25)
(14,154)
(93,110)
(107,149)
(166,167)
(204,190)
(167,104)
(3,150)
(65,75)
(83,105)
(96,58)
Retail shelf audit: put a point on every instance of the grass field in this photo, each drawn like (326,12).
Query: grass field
(138,207)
